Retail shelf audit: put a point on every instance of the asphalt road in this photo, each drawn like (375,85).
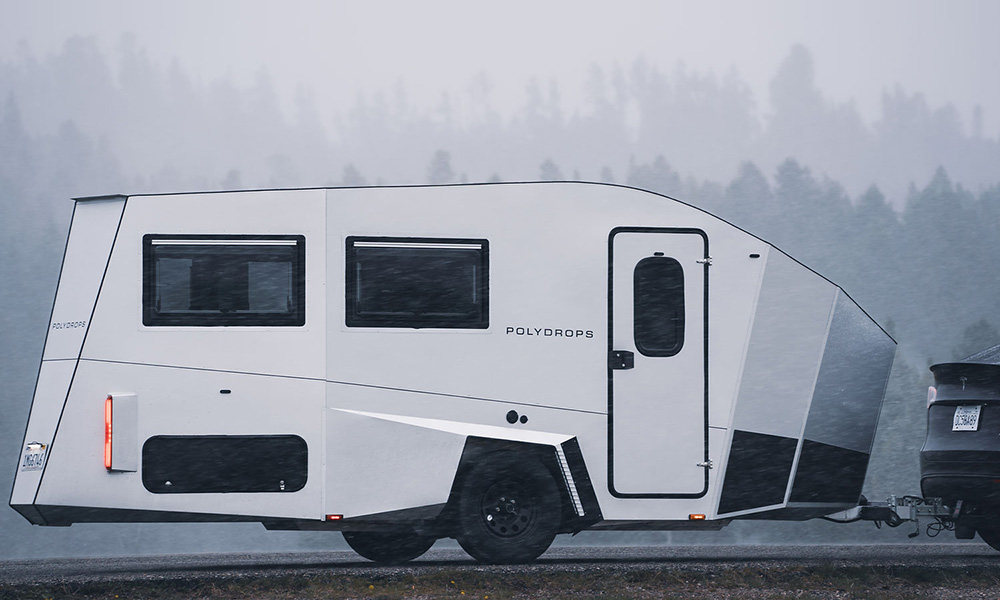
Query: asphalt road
(706,557)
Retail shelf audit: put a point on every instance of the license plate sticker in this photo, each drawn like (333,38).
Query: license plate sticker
(34,457)
(966,418)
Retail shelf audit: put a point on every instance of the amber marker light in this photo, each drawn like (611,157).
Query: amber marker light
(107,433)
(334,517)
(696,517)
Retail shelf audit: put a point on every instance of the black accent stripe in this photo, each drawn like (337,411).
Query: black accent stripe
(757,472)
(67,515)
(828,473)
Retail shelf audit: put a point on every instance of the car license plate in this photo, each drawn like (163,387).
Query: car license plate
(34,457)
(966,418)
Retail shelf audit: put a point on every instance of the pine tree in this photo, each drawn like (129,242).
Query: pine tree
(439,170)
(549,171)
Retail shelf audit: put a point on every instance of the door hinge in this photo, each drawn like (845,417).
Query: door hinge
(707,464)
(707,261)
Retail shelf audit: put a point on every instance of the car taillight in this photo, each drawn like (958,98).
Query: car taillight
(931,395)
(107,433)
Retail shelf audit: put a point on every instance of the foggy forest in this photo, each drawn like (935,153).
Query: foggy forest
(900,211)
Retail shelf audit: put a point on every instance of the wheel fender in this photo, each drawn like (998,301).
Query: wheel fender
(561,457)
(459,444)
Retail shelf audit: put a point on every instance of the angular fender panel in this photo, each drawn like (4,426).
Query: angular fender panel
(564,461)
(413,462)
(379,463)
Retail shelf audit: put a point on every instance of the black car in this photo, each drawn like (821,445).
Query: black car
(960,459)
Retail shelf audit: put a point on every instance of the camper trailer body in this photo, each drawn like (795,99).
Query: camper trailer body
(378,346)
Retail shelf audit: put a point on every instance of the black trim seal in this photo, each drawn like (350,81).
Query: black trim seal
(610,349)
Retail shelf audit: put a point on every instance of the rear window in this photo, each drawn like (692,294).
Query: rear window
(223,280)
(417,283)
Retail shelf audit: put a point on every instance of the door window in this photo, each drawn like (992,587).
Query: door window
(658,303)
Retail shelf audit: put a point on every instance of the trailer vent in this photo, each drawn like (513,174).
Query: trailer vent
(570,483)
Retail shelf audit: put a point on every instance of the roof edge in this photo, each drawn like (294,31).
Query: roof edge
(102,197)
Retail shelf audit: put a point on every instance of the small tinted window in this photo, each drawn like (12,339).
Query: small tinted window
(223,280)
(658,296)
(417,283)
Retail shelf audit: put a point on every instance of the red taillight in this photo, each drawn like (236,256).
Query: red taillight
(931,395)
(334,517)
(107,433)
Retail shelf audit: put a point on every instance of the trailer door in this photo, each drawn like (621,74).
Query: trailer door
(658,363)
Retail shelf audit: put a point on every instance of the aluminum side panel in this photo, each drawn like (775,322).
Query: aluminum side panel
(785,349)
(852,380)
(53,384)
(179,402)
(91,237)
(377,465)
(119,335)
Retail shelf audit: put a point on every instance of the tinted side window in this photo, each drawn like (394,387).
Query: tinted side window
(210,281)
(658,296)
(417,283)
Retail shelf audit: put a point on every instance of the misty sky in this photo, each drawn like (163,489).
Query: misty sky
(904,272)
(947,50)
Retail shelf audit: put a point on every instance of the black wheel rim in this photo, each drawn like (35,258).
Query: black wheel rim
(507,510)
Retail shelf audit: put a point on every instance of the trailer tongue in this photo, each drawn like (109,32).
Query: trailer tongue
(959,466)
(897,510)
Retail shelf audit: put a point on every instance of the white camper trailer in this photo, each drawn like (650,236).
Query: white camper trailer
(495,363)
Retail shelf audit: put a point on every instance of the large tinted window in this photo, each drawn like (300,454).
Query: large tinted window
(417,283)
(658,288)
(223,280)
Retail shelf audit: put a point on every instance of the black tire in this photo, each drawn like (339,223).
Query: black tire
(509,510)
(990,535)
(388,547)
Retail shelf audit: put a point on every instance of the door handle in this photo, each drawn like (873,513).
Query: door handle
(621,359)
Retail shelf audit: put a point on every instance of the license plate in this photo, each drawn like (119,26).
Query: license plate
(34,457)
(966,418)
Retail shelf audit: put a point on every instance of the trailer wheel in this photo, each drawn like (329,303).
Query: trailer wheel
(388,547)
(509,510)
(990,535)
